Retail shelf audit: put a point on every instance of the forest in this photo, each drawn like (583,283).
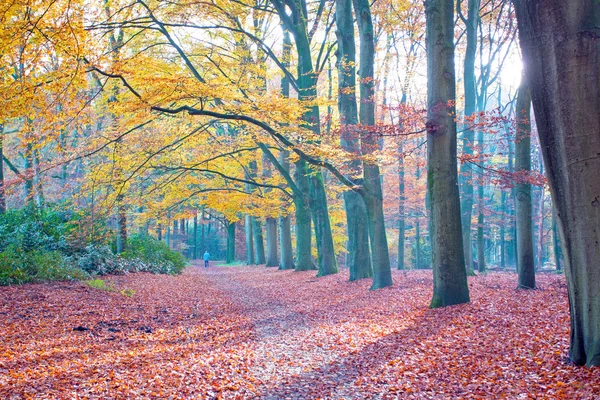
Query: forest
(299,198)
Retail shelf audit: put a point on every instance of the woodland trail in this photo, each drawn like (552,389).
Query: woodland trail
(253,332)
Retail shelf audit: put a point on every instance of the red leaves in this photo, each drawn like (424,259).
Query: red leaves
(256,332)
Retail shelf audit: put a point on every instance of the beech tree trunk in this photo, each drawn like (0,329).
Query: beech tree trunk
(449,273)
(293,17)
(286,258)
(401,208)
(249,242)
(561,49)
(259,244)
(525,259)
(373,194)
(358,259)
(466,169)
(480,215)
(230,242)
(556,243)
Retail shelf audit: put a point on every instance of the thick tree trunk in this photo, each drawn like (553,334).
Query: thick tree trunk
(449,273)
(525,263)
(230,243)
(358,259)
(304,261)
(466,169)
(159,232)
(561,49)
(373,194)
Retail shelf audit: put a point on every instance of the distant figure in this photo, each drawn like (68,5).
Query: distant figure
(206,258)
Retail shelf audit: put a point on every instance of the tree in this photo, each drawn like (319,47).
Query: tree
(358,259)
(449,274)
(562,70)
(525,262)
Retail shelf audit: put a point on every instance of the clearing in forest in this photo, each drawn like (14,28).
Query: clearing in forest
(252,332)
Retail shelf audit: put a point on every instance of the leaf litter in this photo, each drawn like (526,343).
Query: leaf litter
(255,332)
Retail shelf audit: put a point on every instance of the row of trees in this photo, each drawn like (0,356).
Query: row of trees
(144,112)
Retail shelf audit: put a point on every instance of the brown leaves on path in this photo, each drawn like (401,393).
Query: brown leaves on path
(252,332)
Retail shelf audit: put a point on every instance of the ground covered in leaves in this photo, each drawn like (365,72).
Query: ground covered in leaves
(252,332)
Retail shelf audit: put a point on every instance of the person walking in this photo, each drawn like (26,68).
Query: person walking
(206,258)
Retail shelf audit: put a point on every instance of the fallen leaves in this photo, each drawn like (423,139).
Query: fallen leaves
(254,332)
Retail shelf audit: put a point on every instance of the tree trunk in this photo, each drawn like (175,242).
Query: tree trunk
(259,244)
(556,243)
(373,194)
(561,49)
(503,231)
(525,263)
(449,273)
(195,251)
(230,243)
(480,216)
(307,91)
(466,169)
(358,259)
(401,208)
(286,258)
(304,261)
(271,232)
(249,243)
(540,262)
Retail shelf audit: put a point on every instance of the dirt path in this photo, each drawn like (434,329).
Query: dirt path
(253,332)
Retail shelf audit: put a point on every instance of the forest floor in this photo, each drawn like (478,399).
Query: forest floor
(253,332)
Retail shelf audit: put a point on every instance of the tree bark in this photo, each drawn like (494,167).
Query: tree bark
(249,242)
(373,193)
(358,259)
(449,273)
(401,206)
(525,263)
(259,244)
(230,243)
(480,206)
(561,50)
(466,169)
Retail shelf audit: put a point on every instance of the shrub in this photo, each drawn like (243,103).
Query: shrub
(18,266)
(153,255)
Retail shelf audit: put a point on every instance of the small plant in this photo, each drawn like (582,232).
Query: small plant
(100,284)
(127,292)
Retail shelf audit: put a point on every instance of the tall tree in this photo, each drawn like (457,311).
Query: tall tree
(373,194)
(561,52)
(525,262)
(358,259)
(449,273)
(468,139)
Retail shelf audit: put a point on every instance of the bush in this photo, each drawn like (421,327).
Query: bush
(151,255)
(17,267)
(46,244)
